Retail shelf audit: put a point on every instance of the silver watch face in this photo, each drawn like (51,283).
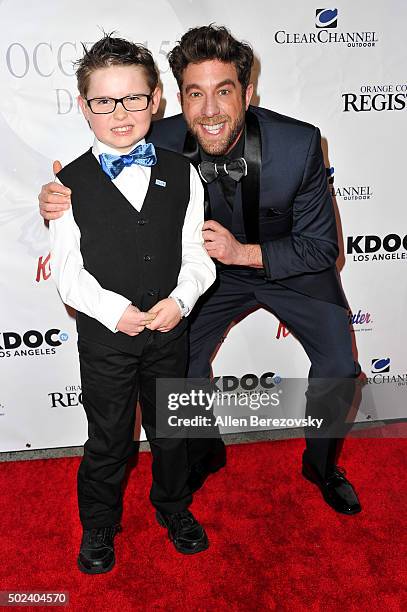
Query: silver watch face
(184,309)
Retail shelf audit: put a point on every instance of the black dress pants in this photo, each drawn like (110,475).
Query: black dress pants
(112,381)
(321,327)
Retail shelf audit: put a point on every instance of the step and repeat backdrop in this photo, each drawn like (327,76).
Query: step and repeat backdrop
(341,67)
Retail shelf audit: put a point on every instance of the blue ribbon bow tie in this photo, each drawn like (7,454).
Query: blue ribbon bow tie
(143,155)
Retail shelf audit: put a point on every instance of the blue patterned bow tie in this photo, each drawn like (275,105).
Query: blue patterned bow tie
(143,155)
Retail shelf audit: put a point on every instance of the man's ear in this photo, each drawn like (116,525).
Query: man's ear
(179,96)
(248,94)
(155,100)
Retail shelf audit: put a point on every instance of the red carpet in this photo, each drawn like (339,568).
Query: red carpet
(274,544)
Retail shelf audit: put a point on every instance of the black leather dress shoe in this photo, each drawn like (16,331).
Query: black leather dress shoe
(200,470)
(184,531)
(335,488)
(96,555)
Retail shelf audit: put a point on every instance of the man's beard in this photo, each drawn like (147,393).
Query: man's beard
(222,146)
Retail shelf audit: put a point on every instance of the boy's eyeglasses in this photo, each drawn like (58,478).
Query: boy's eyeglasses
(132,103)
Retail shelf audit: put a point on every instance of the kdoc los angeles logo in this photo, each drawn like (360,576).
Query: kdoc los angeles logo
(376,248)
(248,382)
(31,343)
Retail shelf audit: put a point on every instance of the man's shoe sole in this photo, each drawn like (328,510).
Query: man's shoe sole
(184,551)
(310,478)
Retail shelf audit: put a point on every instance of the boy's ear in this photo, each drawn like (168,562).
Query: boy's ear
(84,107)
(155,100)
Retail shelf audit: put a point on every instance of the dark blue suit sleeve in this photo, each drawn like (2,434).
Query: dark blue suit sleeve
(313,243)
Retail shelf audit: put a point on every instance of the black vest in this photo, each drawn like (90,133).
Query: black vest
(136,254)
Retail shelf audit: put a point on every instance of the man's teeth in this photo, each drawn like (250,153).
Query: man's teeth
(213,129)
(126,128)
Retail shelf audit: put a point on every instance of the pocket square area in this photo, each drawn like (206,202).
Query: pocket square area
(160,183)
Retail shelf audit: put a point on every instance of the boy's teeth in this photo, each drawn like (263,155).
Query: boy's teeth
(122,129)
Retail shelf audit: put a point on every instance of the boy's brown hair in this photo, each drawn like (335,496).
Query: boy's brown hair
(112,51)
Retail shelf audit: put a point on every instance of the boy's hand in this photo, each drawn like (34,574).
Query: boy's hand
(168,315)
(54,197)
(133,321)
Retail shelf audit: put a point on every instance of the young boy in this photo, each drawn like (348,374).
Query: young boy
(129,257)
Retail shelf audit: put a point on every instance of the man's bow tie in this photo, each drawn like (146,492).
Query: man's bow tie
(210,171)
(143,155)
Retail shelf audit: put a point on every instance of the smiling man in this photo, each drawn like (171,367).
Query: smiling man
(271,230)
(218,121)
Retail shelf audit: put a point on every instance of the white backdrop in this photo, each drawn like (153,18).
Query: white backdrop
(344,71)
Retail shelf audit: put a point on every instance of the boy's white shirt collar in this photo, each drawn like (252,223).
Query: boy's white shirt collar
(99,147)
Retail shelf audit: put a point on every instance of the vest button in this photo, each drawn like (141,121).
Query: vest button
(141,222)
(151,293)
(147,258)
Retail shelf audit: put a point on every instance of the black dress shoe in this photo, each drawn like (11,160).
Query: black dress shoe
(187,535)
(200,470)
(96,555)
(335,488)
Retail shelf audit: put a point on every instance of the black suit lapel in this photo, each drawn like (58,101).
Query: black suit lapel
(251,182)
(191,151)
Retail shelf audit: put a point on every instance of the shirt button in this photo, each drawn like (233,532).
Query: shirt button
(147,258)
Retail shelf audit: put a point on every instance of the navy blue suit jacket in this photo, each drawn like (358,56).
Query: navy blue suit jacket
(293,206)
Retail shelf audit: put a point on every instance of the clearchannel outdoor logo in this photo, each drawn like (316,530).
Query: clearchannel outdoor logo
(380,365)
(347,192)
(326,20)
(380,369)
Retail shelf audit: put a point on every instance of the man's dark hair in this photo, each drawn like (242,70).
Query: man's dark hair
(209,43)
(110,51)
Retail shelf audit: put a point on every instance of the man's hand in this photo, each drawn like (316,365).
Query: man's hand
(133,321)
(223,246)
(54,197)
(168,315)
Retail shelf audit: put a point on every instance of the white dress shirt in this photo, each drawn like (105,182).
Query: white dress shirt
(79,289)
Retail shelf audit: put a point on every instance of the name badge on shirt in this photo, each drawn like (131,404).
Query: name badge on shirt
(160,183)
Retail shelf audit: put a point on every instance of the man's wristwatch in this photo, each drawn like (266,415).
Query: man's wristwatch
(182,306)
